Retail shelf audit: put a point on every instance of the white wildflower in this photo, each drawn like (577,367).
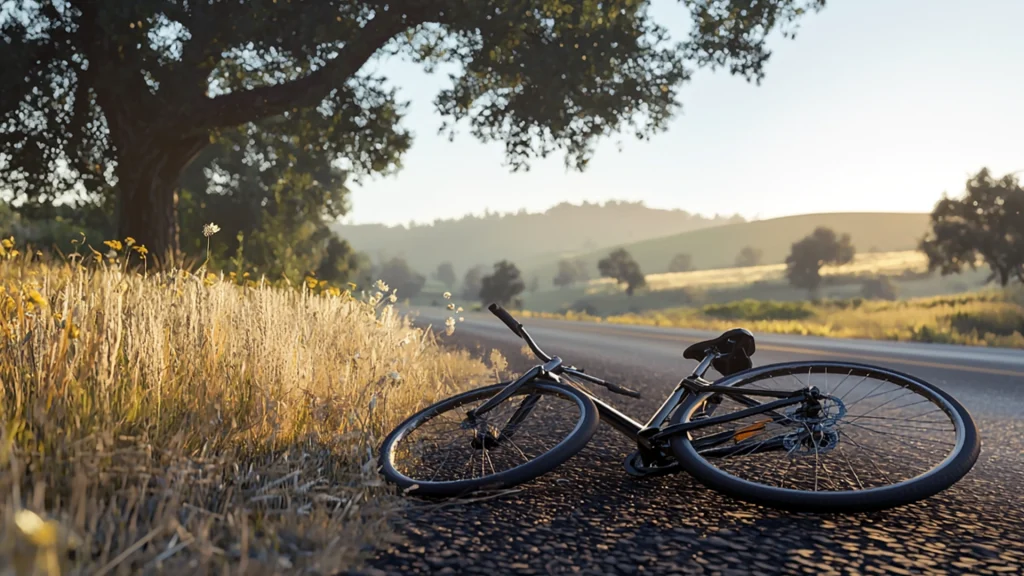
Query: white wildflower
(449,325)
(451,306)
(393,298)
(447,295)
(458,310)
(381,285)
(210,229)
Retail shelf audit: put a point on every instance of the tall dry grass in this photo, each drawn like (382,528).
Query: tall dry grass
(181,422)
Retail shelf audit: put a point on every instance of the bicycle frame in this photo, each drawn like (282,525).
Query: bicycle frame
(645,435)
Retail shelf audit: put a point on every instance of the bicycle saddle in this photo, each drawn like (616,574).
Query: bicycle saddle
(735,348)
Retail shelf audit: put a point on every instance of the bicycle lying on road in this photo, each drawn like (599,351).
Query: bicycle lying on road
(866,438)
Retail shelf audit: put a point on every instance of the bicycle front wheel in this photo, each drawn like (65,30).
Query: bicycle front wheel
(874,439)
(441,452)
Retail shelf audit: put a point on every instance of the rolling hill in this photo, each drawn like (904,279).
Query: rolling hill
(717,247)
(565,229)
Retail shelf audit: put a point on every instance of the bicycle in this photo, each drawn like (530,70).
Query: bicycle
(752,434)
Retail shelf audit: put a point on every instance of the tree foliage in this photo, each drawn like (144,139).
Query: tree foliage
(471,282)
(397,274)
(681,262)
(821,247)
(749,256)
(986,222)
(109,101)
(621,266)
(273,199)
(445,274)
(503,285)
(570,272)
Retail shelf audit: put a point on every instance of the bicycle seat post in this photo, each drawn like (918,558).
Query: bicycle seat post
(704,365)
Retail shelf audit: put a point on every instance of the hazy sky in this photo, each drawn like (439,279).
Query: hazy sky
(877,105)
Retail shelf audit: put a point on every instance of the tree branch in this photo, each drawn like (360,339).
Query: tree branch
(251,105)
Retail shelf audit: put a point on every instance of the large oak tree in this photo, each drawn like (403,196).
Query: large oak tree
(985,223)
(107,98)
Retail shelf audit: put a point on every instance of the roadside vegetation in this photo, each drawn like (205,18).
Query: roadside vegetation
(989,318)
(190,421)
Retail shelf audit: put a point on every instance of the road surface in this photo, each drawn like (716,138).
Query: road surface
(589,517)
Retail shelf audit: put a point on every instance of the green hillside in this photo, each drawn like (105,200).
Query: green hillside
(717,247)
(523,237)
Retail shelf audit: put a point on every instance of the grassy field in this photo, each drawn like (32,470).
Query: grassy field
(717,247)
(906,269)
(186,423)
(988,318)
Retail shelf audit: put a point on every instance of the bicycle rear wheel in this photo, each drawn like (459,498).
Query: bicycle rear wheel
(439,452)
(876,439)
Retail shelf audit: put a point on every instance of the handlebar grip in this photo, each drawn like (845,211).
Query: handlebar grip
(623,390)
(507,318)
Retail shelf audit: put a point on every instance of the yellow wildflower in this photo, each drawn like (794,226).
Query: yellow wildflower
(141,249)
(114,245)
(310,282)
(129,241)
(36,298)
(7,243)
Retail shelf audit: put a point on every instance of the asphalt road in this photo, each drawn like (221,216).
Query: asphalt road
(589,517)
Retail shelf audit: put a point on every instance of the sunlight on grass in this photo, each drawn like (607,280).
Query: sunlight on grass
(183,422)
(992,318)
(863,265)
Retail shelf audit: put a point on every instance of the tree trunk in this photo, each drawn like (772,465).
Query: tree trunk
(148,209)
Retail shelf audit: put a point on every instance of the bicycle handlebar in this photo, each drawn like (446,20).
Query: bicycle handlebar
(517,329)
(507,318)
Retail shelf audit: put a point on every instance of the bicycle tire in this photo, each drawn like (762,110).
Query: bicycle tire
(949,471)
(543,463)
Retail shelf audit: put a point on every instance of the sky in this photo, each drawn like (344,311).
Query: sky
(876,105)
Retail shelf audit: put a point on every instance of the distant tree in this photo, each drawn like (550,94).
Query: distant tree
(681,262)
(445,274)
(397,274)
(502,285)
(471,283)
(570,272)
(803,265)
(621,266)
(879,288)
(749,256)
(534,285)
(986,222)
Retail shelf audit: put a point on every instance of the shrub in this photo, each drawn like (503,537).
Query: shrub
(1000,324)
(758,310)
(879,288)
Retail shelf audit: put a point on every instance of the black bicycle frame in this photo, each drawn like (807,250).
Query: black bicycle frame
(645,435)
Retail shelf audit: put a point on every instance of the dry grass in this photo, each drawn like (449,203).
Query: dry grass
(994,318)
(179,423)
(863,265)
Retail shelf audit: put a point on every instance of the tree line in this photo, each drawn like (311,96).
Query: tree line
(983,226)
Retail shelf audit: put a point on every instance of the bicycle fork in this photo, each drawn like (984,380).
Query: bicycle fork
(491,437)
